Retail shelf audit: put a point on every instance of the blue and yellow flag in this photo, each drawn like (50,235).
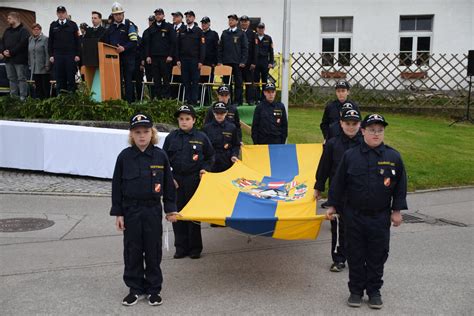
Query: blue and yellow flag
(268,193)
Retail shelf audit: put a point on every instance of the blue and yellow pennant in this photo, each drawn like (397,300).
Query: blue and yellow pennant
(268,193)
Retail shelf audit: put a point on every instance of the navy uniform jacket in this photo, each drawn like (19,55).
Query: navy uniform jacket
(225,142)
(159,40)
(189,152)
(332,113)
(270,123)
(232,116)
(265,54)
(333,151)
(233,47)
(142,176)
(370,180)
(64,39)
(252,40)
(124,34)
(212,46)
(190,44)
(96,32)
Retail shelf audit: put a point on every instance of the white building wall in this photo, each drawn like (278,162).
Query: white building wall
(375,29)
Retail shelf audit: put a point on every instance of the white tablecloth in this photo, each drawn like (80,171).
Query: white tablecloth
(68,149)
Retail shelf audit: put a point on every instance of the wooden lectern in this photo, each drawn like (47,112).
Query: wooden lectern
(104,81)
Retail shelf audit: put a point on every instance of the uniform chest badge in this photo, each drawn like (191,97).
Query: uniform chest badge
(157,187)
(386,182)
(278,121)
(382,171)
(195,157)
(226,146)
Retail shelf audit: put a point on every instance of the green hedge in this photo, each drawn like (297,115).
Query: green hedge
(79,106)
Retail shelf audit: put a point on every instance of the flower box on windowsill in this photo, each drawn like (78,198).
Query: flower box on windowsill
(333,74)
(414,75)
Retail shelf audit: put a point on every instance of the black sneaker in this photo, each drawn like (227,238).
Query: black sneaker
(155,299)
(337,267)
(354,300)
(195,256)
(375,302)
(130,299)
(179,255)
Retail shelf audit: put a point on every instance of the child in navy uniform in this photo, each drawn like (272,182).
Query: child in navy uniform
(142,178)
(332,154)
(191,155)
(332,112)
(224,138)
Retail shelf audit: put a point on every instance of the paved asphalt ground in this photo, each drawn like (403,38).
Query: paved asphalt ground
(75,266)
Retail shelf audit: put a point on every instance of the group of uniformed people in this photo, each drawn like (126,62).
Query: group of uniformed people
(164,45)
(368,188)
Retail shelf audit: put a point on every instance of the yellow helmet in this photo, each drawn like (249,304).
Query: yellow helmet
(117,8)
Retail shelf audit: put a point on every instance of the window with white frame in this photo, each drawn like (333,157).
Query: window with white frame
(336,35)
(416,34)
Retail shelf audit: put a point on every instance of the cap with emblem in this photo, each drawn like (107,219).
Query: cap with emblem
(244,18)
(343,85)
(117,8)
(373,119)
(151,18)
(60,9)
(205,19)
(159,10)
(223,90)
(190,12)
(261,25)
(350,115)
(347,105)
(219,107)
(187,109)
(177,13)
(269,86)
(233,16)
(141,119)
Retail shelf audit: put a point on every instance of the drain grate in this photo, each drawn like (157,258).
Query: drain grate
(27,224)
(409,218)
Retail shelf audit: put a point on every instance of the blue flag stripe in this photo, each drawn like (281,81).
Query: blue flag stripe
(283,161)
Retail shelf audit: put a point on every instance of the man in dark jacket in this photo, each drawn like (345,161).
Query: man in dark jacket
(64,50)
(212,45)
(159,46)
(233,51)
(190,53)
(15,53)
(248,71)
(123,34)
(265,57)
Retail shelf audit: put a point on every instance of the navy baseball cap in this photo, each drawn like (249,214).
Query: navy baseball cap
(373,119)
(141,119)
(233,16)
(261,25)
(159,10)
(219,107)
(244,18)
(190,12)
(177,13)
(347,105)
(205,19)
(223,90)
(351,115)
(60,9)
(343,85)
(269,86)
(187,109)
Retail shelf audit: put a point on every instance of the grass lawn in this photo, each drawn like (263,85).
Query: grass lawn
(434,154)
